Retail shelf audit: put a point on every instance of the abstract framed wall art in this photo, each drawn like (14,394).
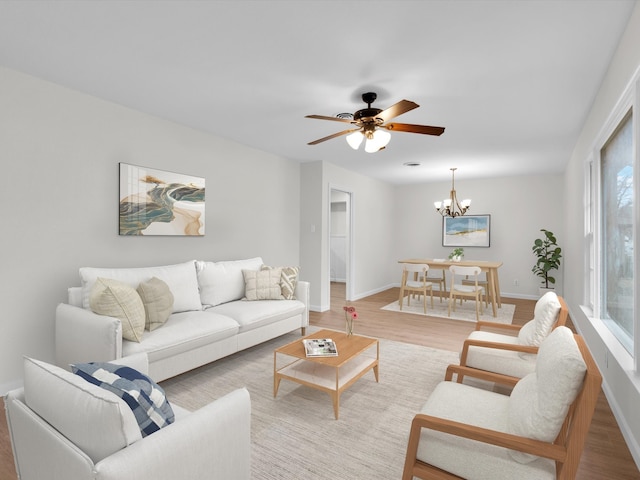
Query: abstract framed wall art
(466,231)
(157,202)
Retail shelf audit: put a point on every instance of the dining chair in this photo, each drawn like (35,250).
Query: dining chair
(441,282)
(457,290)
(482,282)
(414,280)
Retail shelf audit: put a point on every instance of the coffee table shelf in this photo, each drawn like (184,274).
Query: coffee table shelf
(329,374)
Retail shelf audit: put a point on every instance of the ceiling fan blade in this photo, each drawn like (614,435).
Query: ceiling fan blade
(339,134)
(403,106)
(335,119)
(407,127)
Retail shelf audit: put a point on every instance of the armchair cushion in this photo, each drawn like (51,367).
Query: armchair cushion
(59,396)
(146,399)
(468,458)
(544,316)
(540,401)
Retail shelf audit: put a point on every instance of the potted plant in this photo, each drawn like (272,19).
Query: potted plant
(548,255)
(457,254)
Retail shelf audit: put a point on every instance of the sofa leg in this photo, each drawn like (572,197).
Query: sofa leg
(303,331)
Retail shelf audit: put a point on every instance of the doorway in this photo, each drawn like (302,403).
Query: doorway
(340,245)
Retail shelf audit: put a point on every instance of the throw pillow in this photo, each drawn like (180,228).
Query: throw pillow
(146,399)
(288,281)
(545,314)
(263,284)
(157,300)
(119,300)
(540,401)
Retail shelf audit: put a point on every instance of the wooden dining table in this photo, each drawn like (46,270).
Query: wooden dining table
(490,269)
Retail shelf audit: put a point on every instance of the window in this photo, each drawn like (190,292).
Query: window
(616,272)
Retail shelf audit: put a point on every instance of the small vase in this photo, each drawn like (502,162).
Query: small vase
(349,327)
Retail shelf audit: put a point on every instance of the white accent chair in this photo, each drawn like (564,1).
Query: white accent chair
(63,427)
(458,290)
(536,433)
(414,280)
(511,349)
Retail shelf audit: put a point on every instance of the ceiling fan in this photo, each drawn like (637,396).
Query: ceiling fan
(371,124)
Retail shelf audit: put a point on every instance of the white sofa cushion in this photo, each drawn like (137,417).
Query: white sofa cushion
(262,284)
(95,420)
(181,279)
(468,458)
(116,299)
(540,401)
(497,360)
(252,315)
(544,317)
(222,282)
(183,332)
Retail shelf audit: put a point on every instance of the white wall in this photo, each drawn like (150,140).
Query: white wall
(372,206)
(519,208)
(620,381)
(60,151)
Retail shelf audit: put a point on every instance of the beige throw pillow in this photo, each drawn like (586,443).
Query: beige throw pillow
(263,284)
(119,300)
(157,300)
(288,281)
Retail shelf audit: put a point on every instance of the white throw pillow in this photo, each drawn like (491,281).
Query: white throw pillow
(95,420)
(540,401)
(222,282)
(181,279)
(288,281)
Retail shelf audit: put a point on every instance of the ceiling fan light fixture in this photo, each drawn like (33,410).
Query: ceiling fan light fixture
(355,139)
(379,140)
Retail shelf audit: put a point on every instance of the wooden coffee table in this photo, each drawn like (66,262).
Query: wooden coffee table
(356,356)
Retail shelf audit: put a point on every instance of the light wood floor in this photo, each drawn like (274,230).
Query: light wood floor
(605,456)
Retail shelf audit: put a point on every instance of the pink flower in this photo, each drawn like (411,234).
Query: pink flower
(354,315)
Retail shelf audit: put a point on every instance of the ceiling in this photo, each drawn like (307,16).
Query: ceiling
(511,81)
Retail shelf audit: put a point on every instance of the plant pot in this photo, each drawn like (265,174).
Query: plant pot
(456,258)
(543,290)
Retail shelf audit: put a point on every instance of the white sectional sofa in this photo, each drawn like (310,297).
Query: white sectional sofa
(210,315)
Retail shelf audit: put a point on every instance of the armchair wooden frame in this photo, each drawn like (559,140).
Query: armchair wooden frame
(565,450)
(506,329)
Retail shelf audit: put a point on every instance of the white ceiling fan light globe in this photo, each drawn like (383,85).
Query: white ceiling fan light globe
(380,140)
(355,139)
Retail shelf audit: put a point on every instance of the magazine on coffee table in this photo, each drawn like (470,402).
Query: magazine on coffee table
(320,347)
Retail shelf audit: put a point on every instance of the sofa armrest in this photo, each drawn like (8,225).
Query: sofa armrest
(302,294)
(212,442)
(84,336)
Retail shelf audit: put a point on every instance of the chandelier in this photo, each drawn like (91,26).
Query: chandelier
(450,207)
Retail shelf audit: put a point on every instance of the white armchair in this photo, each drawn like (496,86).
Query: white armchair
(511,349)
(536,433)
(63,427)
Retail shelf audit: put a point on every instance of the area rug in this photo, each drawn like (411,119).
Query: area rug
(465,312)
(295,435)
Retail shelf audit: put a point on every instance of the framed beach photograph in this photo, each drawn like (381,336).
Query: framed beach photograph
(466,231)
(157,202)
